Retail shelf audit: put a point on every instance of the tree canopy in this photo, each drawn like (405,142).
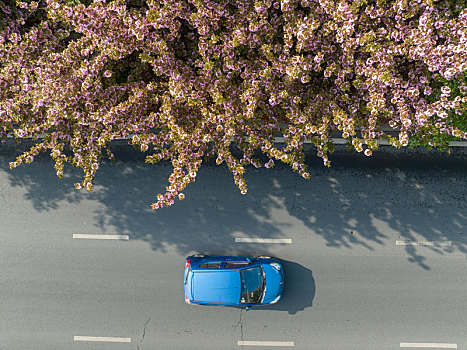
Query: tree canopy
(184,79)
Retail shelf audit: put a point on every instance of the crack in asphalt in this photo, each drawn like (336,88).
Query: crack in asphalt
(144,332)
(294,196)
(239,323)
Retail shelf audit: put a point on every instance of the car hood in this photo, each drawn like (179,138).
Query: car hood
(274,284)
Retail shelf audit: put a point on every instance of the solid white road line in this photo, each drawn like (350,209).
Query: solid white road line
(262,240)
(429,345)
(426,243)
(265,343)
(102,339)
(343,141)
(458,144)
(85,236)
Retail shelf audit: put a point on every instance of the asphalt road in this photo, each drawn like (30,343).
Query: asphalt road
(377,259)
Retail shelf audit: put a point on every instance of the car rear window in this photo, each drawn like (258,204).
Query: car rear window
(187,274)
(212,265)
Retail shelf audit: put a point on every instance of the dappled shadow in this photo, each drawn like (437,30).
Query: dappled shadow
(41,185)
(358,203)
(394,195)
(207,221)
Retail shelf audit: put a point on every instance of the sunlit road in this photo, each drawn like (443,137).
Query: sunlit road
(376,259)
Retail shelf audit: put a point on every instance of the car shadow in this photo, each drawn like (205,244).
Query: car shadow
(299,289)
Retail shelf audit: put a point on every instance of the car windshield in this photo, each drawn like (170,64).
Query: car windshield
(252,285)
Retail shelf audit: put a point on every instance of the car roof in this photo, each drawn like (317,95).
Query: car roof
(222,287)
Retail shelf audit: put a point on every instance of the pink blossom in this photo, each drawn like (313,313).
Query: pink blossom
(247,72)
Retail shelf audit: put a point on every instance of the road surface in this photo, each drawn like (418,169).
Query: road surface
(375,255)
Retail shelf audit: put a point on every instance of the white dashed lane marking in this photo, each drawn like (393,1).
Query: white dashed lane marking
(429,345)
(102,339)
(85,236)
(262,240)
(424,243)
(266,343)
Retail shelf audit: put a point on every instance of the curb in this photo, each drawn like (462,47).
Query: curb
(335,140)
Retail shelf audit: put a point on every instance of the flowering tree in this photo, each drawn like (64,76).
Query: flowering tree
(186,78)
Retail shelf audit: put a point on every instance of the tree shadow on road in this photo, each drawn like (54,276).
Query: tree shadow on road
(42,187)
(395,195)
(358,203)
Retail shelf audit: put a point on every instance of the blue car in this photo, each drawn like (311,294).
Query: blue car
(233,280)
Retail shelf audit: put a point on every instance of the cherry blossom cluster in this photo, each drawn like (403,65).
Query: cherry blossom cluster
(187,79)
